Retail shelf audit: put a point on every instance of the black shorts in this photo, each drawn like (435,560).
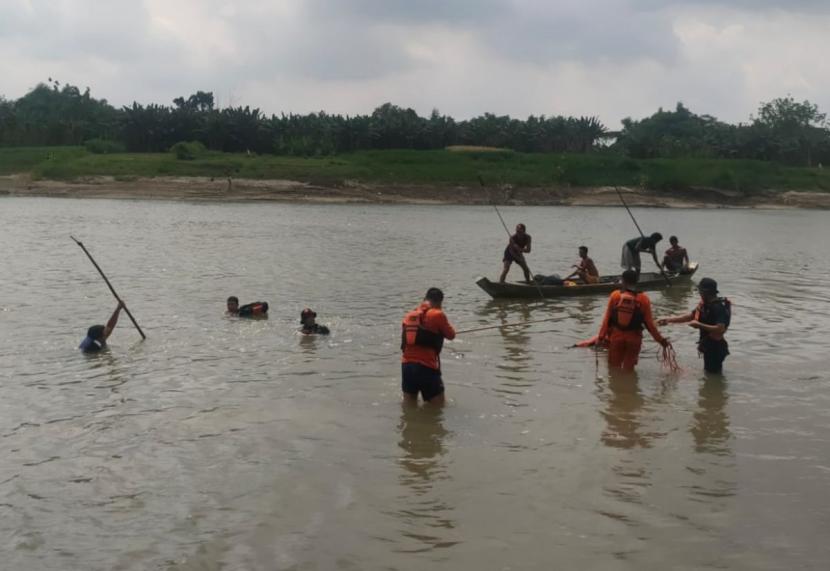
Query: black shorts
(509,257)
(417,378)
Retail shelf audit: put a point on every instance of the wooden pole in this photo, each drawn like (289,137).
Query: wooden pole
(109,285)
(518,324)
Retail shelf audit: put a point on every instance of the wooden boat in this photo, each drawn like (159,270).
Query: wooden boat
(607,284)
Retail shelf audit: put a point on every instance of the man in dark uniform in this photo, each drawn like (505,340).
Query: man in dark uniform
(711,317)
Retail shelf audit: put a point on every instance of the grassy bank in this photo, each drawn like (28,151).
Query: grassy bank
(426,167)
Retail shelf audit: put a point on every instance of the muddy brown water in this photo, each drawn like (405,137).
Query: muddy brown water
(219,443)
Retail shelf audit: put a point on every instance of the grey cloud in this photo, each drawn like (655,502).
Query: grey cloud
(596,30)
(351,39)
(411,11)
(112,30)
(792,6)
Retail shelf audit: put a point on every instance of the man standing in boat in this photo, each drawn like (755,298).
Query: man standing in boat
(517,247)
(422,337)
(630,259)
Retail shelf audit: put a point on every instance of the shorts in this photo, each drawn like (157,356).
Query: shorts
(714,353)
(630,259)
(417,378)
(509,257)
(589,279)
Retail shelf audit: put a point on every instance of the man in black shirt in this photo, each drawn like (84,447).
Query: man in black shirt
(711,317)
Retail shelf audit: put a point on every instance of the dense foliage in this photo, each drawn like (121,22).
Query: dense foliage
(784,130)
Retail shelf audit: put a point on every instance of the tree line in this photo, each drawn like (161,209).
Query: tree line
(783,130)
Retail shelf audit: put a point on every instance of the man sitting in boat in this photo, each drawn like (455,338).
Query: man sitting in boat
(517,247)
(586,270)
(676,259)
(630,259)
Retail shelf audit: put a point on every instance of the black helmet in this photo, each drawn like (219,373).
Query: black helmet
(708,285)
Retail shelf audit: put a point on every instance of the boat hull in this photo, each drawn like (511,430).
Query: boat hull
(607,284)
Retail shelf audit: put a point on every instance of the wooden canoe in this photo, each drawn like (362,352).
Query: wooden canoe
(607,284)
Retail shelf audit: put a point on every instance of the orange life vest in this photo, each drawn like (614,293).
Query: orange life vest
(255,309)
(414,333)
(627,314)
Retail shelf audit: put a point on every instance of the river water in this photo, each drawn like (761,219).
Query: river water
(220,443)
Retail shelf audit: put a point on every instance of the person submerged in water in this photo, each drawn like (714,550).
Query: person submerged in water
(255,309)
(517,247)
(97,335)
(308,320)
(586,270)
(676,259)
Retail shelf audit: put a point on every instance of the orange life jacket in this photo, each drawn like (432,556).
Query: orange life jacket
(627,314)
(254,309)
(414,333)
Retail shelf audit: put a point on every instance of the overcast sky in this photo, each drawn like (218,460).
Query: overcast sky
(611,58)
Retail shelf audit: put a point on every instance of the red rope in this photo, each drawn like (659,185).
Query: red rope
(667,357)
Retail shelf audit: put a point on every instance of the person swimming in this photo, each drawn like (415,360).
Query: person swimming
(255,309)
(97,335)
(308,320)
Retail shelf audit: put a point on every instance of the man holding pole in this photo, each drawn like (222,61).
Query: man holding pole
(630,259)
(114,319)
(422,337)
(517,247)
(97,335)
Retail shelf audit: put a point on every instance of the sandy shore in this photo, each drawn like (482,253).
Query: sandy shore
(206,189)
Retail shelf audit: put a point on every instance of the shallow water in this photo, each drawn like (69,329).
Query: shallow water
(228,444)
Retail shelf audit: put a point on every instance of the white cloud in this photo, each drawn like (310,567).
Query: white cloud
(611,58)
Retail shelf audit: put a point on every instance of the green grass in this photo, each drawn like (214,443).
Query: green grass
(425,167)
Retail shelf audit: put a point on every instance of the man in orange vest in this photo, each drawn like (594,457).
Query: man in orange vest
(422,337)
(628,312)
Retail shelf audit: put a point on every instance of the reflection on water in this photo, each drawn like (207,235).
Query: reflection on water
(623,412)
(710,428)
(424,467)
(679,298)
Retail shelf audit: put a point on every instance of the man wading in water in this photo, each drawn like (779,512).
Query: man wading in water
(628,312)
(711,317)
(422,337)
(517,247)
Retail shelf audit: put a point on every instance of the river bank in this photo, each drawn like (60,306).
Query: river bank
(220,189)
